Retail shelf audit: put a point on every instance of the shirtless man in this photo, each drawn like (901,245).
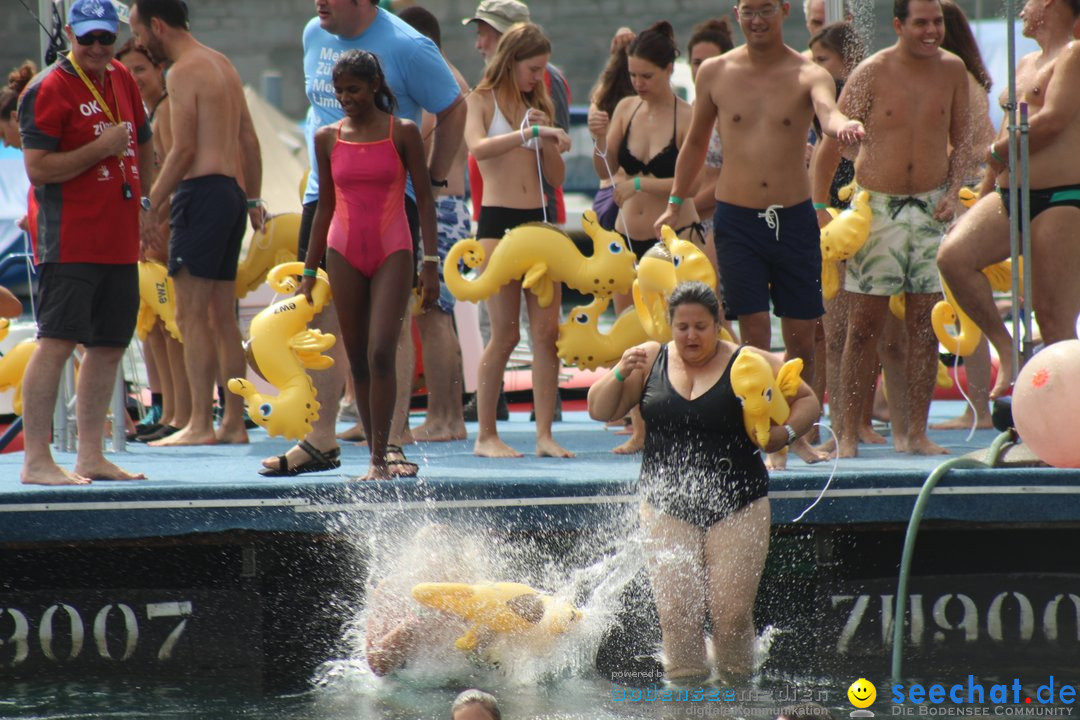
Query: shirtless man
(214,149)
(914,99)
(1046,80)
(762,97)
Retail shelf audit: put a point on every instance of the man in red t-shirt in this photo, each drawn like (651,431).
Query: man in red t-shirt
(86,145)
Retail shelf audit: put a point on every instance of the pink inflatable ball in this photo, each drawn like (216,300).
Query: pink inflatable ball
(1046,404)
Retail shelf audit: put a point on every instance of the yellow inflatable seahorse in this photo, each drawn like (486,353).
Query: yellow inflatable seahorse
(661,268)
(12,367)
(281,348)
(158,296)
(273,245)
(581,343)
(842,238)
(501,607)
(944,315)
(763,396)
(541,255)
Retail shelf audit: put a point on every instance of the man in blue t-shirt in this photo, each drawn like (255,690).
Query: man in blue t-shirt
(421,80)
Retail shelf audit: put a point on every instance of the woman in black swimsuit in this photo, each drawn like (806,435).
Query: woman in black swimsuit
(703,482)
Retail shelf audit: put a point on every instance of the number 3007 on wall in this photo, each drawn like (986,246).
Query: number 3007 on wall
(61,634)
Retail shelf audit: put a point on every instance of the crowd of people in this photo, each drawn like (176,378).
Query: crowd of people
(147,150)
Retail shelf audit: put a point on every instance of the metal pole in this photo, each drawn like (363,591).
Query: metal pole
(1014,190)
(1026,349)
(45,16)
(119,412)
(63,428)
(834,11)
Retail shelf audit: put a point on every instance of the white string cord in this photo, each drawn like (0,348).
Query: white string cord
(611,179)
(539,167)
(836,464)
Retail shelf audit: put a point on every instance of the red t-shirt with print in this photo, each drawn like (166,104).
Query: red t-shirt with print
(86,219)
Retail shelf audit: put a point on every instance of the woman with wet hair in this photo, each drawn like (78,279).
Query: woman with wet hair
(705,507)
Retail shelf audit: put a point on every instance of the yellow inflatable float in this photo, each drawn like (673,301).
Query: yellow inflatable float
(158,300)
(662,267)
(12,367)
(842,238)
(764,396)
(498,607)
(275,244)
(541,255)
(281,350)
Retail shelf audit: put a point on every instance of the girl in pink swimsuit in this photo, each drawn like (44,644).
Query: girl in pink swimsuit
(363,161)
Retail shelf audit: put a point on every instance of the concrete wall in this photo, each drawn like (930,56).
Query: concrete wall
(264,35)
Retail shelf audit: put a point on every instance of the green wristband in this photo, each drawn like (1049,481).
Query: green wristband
(618,375)
(311,272)
(821,206)
(254,202)
(637,184)
(994,154)
(536,130)
(674,200)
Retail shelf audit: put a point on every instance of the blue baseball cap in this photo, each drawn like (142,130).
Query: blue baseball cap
(86,16)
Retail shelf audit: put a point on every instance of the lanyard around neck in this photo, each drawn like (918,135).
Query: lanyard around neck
(114,119)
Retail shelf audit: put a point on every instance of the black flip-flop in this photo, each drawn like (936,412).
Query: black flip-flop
(320,461)
(162,432)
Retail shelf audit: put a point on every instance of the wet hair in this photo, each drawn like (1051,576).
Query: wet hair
(173,13)
(476,697)
(844,40)
(902,8)
(656,44)
(17,81)
(522,41)
(714,30)
(365,66)
(614,82)
(960,41)
(693,293)
(423,22)
(131,46)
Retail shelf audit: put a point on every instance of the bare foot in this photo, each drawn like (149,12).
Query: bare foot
(625,430)
(232,437)
(868,434)
(186,436)
(828,447)
(924,446)
(376,472)
(848,448)
(776,461)
(1003,385)
(900,443)
(963,422)
(808,454)
(406,437)
(494,447)
(51,474)
(354,434)
(621,423)
(436,432)
(635,444)
(102,469)
(547,447)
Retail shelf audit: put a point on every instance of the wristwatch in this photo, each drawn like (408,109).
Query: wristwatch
(144,202)
(440,183)
(791,435)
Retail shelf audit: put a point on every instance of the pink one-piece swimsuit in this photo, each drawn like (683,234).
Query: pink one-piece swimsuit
(369,220)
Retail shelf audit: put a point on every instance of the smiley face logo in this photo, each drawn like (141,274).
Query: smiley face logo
(862,693)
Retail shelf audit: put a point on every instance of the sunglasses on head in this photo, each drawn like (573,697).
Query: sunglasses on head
(103,38)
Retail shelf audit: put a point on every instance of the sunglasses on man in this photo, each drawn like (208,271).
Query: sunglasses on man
(102,38)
